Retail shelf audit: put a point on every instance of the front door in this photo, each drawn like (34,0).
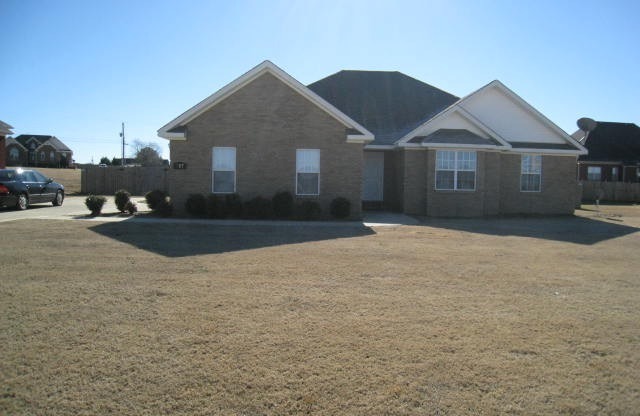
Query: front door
(373,176)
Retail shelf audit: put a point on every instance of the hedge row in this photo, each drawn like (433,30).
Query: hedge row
(280,206)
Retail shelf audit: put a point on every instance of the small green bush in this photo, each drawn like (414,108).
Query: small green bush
(121,199)
(308,210)
(258,208)
(340,208)
(216,206)
(154,198)
(131,207)
(196,205)
(234,207)
(95,203)
(282,203)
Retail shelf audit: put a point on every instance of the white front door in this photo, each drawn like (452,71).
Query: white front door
(373,176)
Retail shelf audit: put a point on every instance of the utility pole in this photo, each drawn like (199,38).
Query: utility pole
(122,135)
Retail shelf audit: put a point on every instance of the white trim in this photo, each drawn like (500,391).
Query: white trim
(235,170)
(550,152)
(243,80)
(450,146)
(175,136)
(11,140)
(379,147)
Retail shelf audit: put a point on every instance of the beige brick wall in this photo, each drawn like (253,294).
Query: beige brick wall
(497,187)
(558,189)
(267,121)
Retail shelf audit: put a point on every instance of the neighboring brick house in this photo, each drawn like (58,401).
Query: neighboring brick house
(382,139)
(37,150)
(614,153)
(5,130)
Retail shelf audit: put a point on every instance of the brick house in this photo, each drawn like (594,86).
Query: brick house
(380,139)
(37,150)
(614,153)
(5,130)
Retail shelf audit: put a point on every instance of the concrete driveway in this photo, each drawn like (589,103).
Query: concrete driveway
(73,207)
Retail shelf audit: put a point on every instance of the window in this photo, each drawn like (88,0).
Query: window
(594,173)
(224,170)
(14,154)
(42,156)
(530,173)
(52,155)
(455,170)
(307,172)
(614,174)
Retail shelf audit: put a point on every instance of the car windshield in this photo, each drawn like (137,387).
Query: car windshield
(7,175)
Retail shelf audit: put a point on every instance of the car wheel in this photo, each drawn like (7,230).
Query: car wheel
(57,201)
(23,202)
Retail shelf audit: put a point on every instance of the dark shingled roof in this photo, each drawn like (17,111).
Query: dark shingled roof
(538,145)
(388,104)
(454,136)
(613,142)
(53,141)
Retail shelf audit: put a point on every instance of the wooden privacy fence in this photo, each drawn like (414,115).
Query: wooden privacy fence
(610,191)
(137,180)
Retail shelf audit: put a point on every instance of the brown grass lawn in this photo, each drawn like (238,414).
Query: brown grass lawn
(70,178)
(506,316)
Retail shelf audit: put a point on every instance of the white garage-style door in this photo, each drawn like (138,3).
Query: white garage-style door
(373,176)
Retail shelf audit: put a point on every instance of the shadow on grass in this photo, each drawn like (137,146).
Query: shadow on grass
(182,240)
(570,229)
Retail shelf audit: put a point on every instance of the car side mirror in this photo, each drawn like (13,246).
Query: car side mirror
(49,180)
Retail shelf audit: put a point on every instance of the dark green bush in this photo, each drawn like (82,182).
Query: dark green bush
(258,208)
(282,203)
(196,205)
(154,198)
(340,208)
(233,206)
(308,210)
(95,203)
(121,199)
(164,208)
(216,206)
(131,207)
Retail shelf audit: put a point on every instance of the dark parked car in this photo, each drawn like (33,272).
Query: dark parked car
(20,188)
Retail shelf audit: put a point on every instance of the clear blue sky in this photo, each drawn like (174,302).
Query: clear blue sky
(77,69)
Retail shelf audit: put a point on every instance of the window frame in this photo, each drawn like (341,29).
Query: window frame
(299,172)
(531,172)
(213,170)
(456,170)
(599,168)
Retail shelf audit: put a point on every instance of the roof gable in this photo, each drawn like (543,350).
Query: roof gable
(5,129)
(511,121)
(175,128)
(40,140)
(615,142)
(389,104)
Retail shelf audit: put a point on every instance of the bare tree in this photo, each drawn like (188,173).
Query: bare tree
(147,154)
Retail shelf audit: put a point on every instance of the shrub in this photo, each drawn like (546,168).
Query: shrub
(131,207)
(95,203)
(196,205)
(121,199)
(154,198)
(258,208)
(340,208)
(282,203)
(308,210)
(216,206)
(233,206)
(164,208)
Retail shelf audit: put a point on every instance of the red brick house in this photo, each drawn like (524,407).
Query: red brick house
(614,153)
(5,130)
